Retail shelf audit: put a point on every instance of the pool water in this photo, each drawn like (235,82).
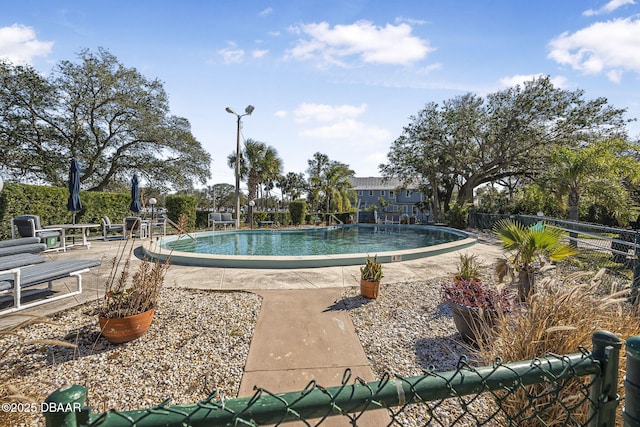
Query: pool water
(352,239)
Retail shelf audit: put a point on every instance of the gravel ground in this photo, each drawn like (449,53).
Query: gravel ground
(408,330)
(198,342)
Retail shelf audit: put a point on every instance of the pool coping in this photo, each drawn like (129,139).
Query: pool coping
(153,250)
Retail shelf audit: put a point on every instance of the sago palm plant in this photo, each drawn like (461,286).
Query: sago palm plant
(528,249)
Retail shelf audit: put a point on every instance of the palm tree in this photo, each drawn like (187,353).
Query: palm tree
(528,246)
(603,164)
(259,162)
(336,186)
(270,168)
(315,170)
(293,184)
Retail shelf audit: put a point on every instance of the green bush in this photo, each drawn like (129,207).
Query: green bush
(202,219)
(298,211)
(458,216)
(178,205)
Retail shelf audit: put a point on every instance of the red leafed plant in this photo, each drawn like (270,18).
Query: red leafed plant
(468,290)
(473,293)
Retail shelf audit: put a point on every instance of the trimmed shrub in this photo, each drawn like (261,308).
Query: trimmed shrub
(179,204)
(298,211)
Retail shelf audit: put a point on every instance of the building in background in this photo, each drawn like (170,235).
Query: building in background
(386,200)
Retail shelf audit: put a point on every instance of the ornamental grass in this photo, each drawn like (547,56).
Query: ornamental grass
(560,318)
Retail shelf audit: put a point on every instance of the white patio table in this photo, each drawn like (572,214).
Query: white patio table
(84,231)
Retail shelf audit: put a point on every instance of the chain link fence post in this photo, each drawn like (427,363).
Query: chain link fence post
(631,411)
(603,396)
(635,287)
(65,407)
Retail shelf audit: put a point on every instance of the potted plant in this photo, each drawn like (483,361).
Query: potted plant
(474,305)
(370,275)
(130,300)
(468,268)
(529,248)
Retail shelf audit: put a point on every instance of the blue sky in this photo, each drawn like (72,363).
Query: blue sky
(336,76)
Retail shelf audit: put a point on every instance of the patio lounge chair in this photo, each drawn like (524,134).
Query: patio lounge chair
(159,223)
(22,267)
(108,227)
(135,227)
(214,218)
(217,218)
(29,226)
(14,280)
(24,245)
(227,219)
(9,262)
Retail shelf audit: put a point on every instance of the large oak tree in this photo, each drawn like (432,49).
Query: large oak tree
(111,118)
(472,140)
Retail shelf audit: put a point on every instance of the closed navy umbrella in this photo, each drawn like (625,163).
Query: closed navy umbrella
(135,195)
(73,203)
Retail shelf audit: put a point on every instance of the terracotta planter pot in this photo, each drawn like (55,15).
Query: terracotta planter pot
(369,289)
(124,329)
(471,321)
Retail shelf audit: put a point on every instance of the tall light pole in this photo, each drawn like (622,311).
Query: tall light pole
(247,112)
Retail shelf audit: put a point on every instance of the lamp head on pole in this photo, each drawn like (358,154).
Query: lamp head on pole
(249,109)
(152,201)
(230,110)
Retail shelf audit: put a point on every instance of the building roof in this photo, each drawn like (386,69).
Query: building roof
(379,183)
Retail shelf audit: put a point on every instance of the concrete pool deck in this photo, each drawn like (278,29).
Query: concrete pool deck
(244,279)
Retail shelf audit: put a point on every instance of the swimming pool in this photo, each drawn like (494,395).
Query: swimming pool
(310,247)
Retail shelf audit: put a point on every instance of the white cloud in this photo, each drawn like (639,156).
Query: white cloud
(231,54)
(259,53)
(348,130)
(281,114)
(608,8)
(612,47)
(266,12)
(410,21)
(337,123)
(520,79)
(391,44)
(327,113)
(429,68)
(615,76)
(19,44)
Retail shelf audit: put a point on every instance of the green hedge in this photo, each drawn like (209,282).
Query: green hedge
(50,204)
(298,211)
(179,204)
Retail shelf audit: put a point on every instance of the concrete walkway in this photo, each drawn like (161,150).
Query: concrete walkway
(298,338)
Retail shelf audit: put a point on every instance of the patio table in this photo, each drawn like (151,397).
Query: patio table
(84,231)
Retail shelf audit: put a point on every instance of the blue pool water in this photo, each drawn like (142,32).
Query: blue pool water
(352,239)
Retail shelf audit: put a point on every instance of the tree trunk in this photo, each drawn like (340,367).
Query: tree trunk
(525,284)
(574,200)
(465,195)
(435,206)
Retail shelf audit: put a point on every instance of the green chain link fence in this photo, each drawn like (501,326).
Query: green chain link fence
(570,390)
(616,249)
